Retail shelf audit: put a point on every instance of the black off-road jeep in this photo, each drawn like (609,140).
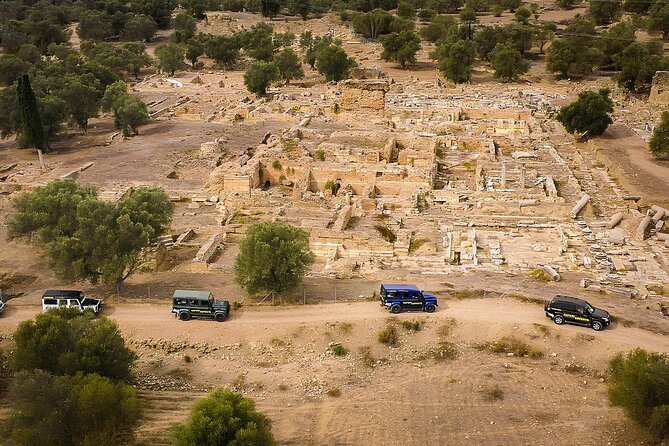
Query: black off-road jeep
(188,304)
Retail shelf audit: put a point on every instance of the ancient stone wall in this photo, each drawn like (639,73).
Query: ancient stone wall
(364,94)
(659,91)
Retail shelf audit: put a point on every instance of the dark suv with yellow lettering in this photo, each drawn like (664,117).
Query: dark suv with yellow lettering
(565,309)
(188,304)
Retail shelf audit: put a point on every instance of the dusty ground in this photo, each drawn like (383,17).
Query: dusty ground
(406,395)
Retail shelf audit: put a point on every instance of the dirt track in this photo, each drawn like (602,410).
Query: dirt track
(279,357)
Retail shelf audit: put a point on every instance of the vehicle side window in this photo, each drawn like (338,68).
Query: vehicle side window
(50,302)
(62,302)
(180,301)
(580,310)
(391,294)
(193,302)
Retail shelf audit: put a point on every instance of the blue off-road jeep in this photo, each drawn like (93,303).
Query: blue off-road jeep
(398,297)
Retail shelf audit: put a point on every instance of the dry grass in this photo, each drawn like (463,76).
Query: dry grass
(541,275)
(412,326)
(388,336)
(446,328)
(469,294)
(366,357)
(543,329)
(346,327)
(529,300)
(493,393)
(334,392)
(512,347)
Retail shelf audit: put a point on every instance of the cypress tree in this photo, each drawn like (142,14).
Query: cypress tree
(31,124)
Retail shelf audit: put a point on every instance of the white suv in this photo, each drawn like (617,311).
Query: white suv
(69,299)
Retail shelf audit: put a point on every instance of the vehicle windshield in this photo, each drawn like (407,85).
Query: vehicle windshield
(590,308)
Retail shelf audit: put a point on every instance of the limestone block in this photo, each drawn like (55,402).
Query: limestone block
(343,218)
(209,248)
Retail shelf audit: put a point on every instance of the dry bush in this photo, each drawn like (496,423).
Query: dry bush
(540,274)
(493,393)
(388,336)
(446,328)
(469,294)
(543,329)
(412,325)
(334,392)
(513,346)
(346,327)
(366,357)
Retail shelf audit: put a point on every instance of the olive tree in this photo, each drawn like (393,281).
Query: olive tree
(225,418)
(659,143)
(273,258)
(589,114)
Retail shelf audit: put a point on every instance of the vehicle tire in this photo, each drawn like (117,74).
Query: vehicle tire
(395,309)
(558,319)
(220,317)
(184,316)
(430,308)
(597,326)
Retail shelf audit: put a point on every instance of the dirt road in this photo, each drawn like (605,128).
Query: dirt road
(145,320)
(380,395)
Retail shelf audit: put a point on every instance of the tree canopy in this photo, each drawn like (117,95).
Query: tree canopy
(67,342)
(576,53)
(400,47)
(79,410)
(288,64)
(225,418)
(333,62)
(259,76)
(659,142)
(85,238)
(170,57)
(507,62)
(32,131)
(589,114)
(456,60)
(639,384)
(273,257)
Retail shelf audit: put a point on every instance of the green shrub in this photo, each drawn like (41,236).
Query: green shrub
(71,410)
(639,384)
(388,336)
(334,187)
(319,155)
(276,165)
(225,417)
(412,325)
(338,350)
(66,342)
